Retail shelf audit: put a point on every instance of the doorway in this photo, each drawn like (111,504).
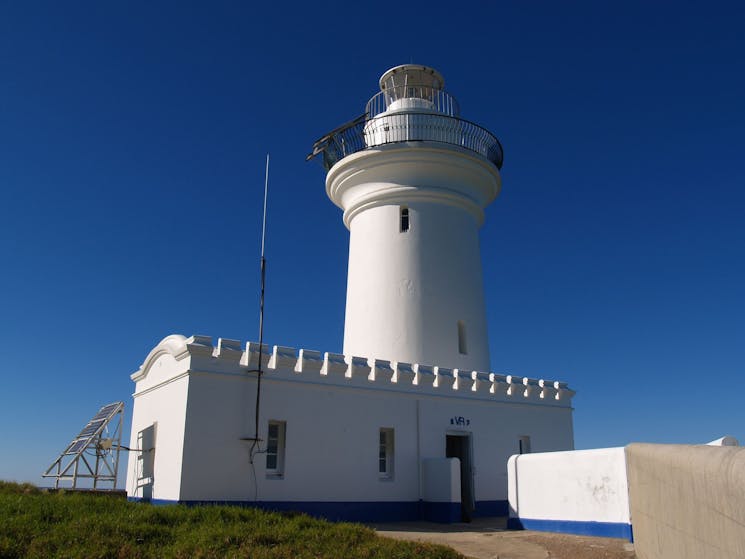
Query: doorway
(459,446)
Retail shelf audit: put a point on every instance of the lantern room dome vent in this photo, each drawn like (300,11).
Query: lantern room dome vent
(411,75)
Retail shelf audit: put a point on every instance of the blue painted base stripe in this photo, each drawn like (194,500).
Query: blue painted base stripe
(491,508)
(371,511)
(579,527)
(440,512)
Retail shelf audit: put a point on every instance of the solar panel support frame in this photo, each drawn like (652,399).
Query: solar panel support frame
(73,464)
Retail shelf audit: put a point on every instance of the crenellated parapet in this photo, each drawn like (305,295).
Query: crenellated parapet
(282,363)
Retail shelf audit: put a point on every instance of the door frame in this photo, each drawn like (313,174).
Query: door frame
(467,486)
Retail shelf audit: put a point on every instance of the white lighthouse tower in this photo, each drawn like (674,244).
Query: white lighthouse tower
(409,422)
(413,179)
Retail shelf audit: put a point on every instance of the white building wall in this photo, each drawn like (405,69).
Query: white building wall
(331,442)
(581,492)
(215,459)
(332,422)
(160,401)
(495,432)
(332,439)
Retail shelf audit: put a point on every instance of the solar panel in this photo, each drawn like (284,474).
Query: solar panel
(93,428)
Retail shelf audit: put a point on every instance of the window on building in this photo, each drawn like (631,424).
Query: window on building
(275,448)
(385,453)
(404,219)
(524,444)
(146,456)
(462,348)
(146,461)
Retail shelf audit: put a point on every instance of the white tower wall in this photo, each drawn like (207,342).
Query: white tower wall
(408,291)
(416,295)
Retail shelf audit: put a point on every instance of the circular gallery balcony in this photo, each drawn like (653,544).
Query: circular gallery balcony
(406,126)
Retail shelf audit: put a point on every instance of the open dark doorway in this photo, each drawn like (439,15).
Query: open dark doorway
(459,446)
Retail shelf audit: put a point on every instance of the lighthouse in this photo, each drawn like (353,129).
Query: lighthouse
(408,422)
(413,179)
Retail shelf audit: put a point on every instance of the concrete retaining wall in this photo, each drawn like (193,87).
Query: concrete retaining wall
(687,502)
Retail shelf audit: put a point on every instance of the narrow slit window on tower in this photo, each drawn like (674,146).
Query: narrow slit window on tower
(404,219)
(462,348)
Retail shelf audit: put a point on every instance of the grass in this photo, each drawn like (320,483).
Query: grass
(35,523)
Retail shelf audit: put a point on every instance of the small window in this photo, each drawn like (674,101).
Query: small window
(385,454)
(462,347)
(275,448)
(404,219)
(524,444)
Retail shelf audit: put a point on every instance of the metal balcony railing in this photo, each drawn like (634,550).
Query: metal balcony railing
(430,98)
(363,133)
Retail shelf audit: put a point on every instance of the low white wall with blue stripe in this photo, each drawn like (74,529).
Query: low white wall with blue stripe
(576,492)
(441,490)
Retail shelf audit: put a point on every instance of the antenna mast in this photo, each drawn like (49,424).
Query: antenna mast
(259,370)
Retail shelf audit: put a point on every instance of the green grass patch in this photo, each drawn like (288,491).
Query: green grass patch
(35,523)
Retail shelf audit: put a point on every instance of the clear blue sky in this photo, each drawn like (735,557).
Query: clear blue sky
(132,145)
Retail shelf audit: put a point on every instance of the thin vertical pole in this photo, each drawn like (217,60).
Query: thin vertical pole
(261,311)
(263,219)
(98,460)
(118,445)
